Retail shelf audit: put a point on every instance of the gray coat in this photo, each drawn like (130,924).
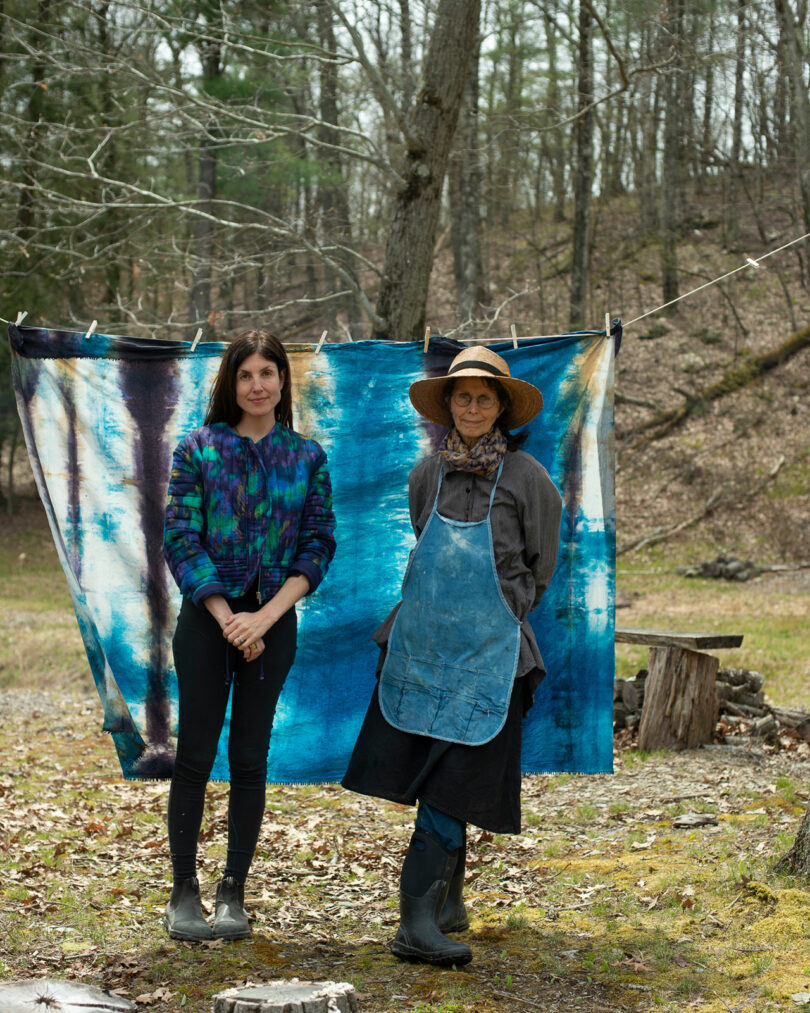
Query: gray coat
(526,515)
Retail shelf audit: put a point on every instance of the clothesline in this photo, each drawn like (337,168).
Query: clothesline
(749,263)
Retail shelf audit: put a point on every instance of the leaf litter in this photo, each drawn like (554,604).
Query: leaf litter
(603,903)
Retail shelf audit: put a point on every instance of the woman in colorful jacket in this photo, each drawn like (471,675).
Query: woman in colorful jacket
(248,532)
(459,663)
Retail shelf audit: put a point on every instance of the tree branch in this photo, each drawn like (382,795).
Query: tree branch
(600,101)
(379,87)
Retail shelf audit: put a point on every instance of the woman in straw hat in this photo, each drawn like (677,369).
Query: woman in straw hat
(459,665)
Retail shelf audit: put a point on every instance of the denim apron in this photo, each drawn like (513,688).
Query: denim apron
(454,644)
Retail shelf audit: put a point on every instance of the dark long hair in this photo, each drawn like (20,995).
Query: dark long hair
(513,440)
(222,406)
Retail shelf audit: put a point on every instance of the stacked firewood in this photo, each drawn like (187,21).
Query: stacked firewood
(723,568)
(628,699)
(740,700)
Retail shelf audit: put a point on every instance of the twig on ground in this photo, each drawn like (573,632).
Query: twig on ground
(661,534)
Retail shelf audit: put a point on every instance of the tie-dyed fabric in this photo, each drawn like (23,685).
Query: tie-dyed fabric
(101,418)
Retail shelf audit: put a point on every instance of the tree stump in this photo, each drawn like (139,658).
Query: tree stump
(60,996)
(292,996)
(680,702)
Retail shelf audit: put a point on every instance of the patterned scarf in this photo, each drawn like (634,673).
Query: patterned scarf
(483,457)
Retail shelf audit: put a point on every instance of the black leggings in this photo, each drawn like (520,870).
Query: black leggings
(202,658)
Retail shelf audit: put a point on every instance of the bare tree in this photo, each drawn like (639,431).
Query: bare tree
(465,202)
(333,194)
(670,177)
(429,134)
(733,216)
(583,172)
(220,162)
(210,50)
(796,55)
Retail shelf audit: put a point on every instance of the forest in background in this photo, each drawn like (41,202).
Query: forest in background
(200,164)
(372,168)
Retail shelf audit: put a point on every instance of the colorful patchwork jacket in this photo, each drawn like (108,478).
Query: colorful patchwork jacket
(238,509)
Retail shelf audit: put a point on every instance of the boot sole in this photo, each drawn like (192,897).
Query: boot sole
(186,937)
(412,954)
(232,936)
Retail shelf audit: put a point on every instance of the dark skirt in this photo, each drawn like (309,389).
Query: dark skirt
(475,784)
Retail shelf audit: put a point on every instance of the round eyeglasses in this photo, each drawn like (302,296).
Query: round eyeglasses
(484,401)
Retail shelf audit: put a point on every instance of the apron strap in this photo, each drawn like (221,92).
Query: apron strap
(438,488)
(495,486)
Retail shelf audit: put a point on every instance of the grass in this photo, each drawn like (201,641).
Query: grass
(771,616)
(40,645)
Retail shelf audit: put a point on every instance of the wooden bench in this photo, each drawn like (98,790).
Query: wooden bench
(680,701)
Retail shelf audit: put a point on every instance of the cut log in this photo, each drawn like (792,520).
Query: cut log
(288,996)
(680,703)
(58,995)
(797,721)
(630,697)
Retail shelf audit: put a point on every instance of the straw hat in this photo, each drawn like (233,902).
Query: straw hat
(427,396)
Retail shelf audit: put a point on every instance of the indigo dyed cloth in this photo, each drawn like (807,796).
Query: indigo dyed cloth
(101,417)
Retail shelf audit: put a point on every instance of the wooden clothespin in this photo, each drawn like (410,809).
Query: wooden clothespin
(607,325)
(91,329)
(196,340)
(752,262)
(20,317)
(320,342)
(427,339)
(513,329)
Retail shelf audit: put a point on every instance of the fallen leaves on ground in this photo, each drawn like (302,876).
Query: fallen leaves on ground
(602,903)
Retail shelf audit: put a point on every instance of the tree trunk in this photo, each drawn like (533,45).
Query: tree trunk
(796,58)
(432,124)
(508,146)
(3,57)
(733,379)
(797,859)
(408,82)
(706,136)
(211,57)
(112,224)
(649,112)
(24,230)
(465,203)
(782,126)
(583,173)
(555,147)
(733,217)
(334,201)
(673,122)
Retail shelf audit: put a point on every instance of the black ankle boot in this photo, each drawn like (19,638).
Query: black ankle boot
(230,917)
(453,916)
(426,874)
(184,918)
